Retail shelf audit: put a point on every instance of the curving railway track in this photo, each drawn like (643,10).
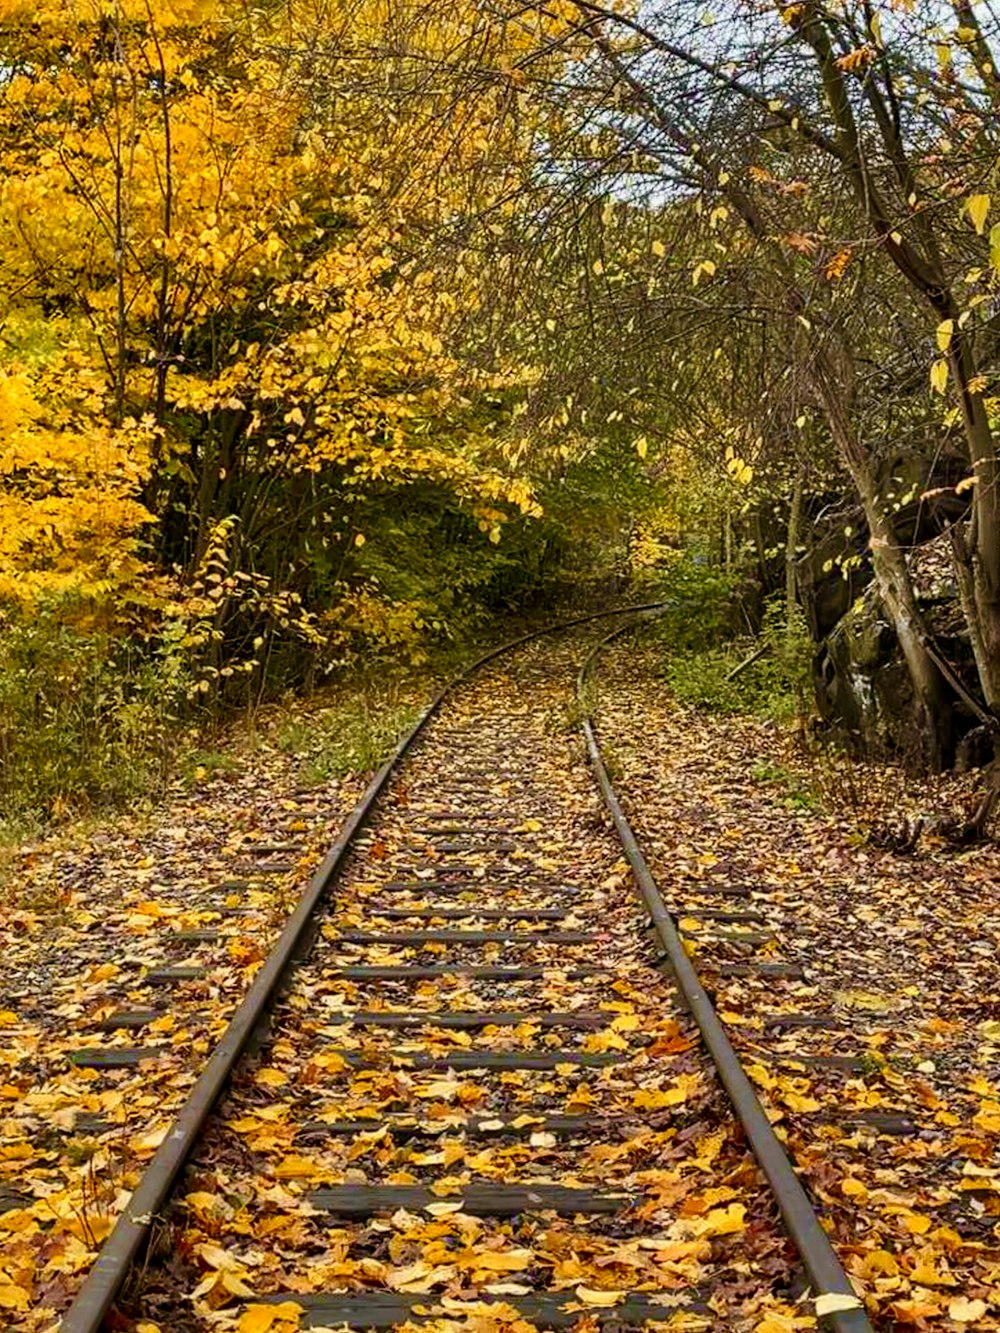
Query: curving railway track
(476,1079)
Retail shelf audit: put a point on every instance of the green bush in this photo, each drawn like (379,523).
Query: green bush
(706,664)
(85,717)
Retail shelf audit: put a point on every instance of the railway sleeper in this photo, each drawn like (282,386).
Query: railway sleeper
(717,914)
(778,1022)
(467,1059)
(404,972)
(729,936)
(478,1199)
(478,885)
(432,910)
(114,1057)
(386,1309)
(488,1127)
(166,976)
(462,1019)
(403,940)
(129,1019)
(781,971)
(467,846)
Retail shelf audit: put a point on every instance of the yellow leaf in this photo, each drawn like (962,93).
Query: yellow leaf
(642,446)
(234,1284)
(598,267)
(964,1311)
(658,249)
(289,1168)
(600,1298)
(359,539)
(939,376)
(978,206)
(260,1318)
(832,1302)
(777,1321)
(944,333)
(14,1298)
(654,1099)
(878,1263)
(270,1077)
(723,1221)
(926,1275)
(445,1207)
(987,1118)
(508,1261)
(795,1102)
(216,1257)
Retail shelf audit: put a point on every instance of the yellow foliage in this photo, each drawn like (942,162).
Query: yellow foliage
(234,251)
(70,516)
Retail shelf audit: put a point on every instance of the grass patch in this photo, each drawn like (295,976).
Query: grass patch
(355,734)
(794,793)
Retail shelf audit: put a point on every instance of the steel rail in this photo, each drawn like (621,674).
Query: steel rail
(105,1280)
(819,1259)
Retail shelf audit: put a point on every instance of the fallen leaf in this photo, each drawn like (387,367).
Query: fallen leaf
(832,1302)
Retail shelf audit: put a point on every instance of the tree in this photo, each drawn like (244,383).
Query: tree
(213,200)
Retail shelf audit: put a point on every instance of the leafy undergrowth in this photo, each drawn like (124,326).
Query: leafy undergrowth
(88,911)
(899,957)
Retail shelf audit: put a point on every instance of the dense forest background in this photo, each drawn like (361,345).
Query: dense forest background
(329,332)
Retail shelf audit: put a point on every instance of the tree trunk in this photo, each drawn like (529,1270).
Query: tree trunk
(791,546)
(932,713)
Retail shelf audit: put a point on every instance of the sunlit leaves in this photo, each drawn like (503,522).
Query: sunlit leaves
(978,206)
(262,1318)
(70,513)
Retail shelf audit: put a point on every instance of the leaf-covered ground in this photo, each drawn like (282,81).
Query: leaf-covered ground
(899,954)
(698,1235)
(85,916)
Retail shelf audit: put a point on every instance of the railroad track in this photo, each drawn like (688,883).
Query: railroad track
(466,1078)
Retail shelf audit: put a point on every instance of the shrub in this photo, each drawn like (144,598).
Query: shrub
(85,717)
(708,664)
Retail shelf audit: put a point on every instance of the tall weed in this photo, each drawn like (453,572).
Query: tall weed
(85,717)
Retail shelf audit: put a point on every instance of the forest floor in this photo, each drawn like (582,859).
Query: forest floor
(900,950)
(87,909)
